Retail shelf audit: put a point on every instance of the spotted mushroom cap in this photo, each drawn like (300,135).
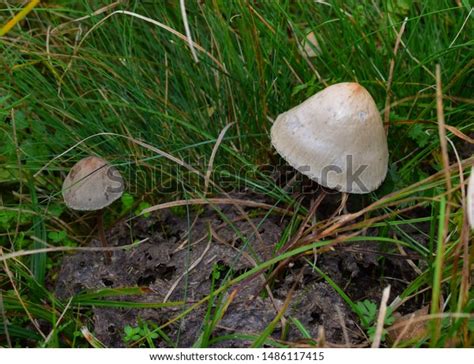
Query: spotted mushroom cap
(92,184)
(336,137)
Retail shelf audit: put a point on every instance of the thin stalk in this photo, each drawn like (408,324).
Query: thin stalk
(103,240)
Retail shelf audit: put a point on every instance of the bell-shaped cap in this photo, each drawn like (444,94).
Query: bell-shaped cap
(336,137)
(92,184)
(310,46)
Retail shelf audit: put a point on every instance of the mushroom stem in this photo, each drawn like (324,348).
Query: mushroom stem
(103,240)
(344,199)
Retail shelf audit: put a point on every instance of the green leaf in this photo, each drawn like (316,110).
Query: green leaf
(399,7)
(57,236)
(389,319)
(371,333)
(127,201)
(419,134)
(470,325)
(38,261)
(128,330)
(301,328)
(35,152)
(142,206)
(21,122)
(368,311)
(56,210)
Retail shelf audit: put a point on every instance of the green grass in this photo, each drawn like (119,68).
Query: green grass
(109,83)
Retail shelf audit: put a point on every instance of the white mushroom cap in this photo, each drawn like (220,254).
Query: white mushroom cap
(92,184)
(470,199)
(310,46)
(336,138)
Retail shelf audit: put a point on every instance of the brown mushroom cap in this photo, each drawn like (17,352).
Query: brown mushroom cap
(92,184)
(336,137)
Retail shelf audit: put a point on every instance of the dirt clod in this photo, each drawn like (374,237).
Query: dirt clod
(184,259)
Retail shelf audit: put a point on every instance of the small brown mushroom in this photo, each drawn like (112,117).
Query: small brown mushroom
(91,185)
(409,327)
(336,138)
(310,46)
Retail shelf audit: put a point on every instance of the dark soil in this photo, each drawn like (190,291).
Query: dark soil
(174,243)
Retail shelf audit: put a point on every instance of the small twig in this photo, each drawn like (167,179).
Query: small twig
(48,35)
(17,293)
(103,239)
(459,134)
(321,340)
(437,316)
(133,140)
(161,25)
(58,321)
(342,207)
(167,78)
(294,242)
(285,306)
(462,27)
(213,155)
(254,264)
(404,330)
(442,129)
(435,304)
(185,242)
(331,226)
(97,12)
(261,18)
(304,224)
(381,317)
(194,265)
(343,326)
(5,321)
(18,17)
(91,339)
(22,253)
(410,262)
(75,49)
(214,201)
(187,30)
(390,75)
(464,239)
(20,174)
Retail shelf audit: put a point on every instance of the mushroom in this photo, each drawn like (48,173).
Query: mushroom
(470,199)
(91,185)
(336,138)
(310,46)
